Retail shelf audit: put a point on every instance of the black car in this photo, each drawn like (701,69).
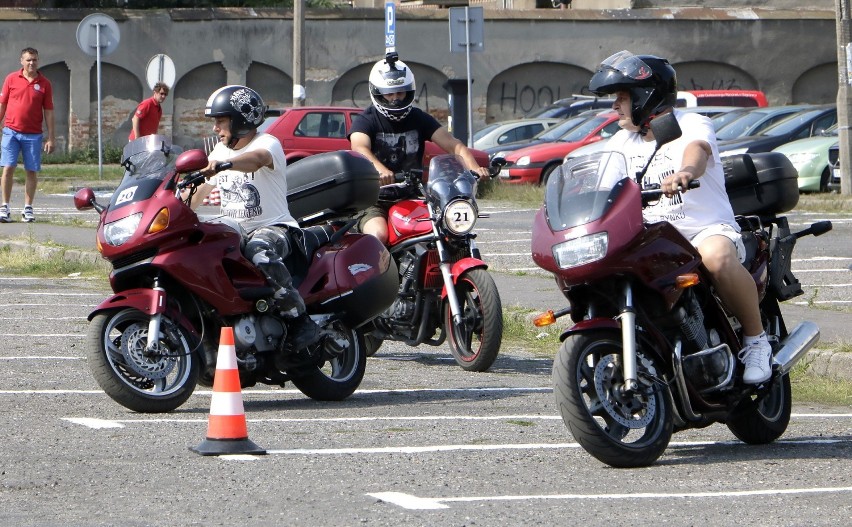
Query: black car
(573,105)
(803,124)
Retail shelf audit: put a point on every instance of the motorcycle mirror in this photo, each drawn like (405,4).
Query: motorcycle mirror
(84,199)
(498,162)
(665,128)
(191,161)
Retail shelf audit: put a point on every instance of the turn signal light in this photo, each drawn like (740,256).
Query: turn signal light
(161,221)
(544,319)
(686,280)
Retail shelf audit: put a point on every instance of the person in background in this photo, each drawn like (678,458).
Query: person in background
(253,188)
(392,134)
(26,102)
(146,118)
(645,87)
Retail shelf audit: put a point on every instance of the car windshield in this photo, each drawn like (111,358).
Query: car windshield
(791,123)
(558,130)
(723,119)
(583,130)
(748,124)
(482,131)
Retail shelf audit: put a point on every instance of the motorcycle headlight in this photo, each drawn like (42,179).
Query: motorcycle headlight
(580,251)
(118,232)
(460,216)
(522,162)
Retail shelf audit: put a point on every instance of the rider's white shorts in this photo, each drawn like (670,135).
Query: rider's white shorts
(725,230)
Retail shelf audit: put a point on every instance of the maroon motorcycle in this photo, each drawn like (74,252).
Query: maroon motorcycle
(178,279)
(652,349)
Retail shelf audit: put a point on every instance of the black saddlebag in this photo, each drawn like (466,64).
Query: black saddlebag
(761,184)
(331,184)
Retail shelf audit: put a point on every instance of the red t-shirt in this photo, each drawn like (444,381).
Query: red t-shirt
(148,112)
(26,101)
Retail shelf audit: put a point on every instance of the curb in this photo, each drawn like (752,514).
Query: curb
(51,251)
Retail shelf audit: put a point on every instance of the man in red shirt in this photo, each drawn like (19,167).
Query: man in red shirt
(26,101)
(146,118)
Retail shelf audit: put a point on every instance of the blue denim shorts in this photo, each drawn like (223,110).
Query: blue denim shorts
(26,145)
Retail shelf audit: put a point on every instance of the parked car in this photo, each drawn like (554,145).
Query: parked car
(752,121)
(807,123)
(810,157)
(501,132)
(534,164)
(834,162)
(572,106)
(307,130)
(547,136)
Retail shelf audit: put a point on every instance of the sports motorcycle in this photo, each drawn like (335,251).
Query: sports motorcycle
(178,279)
(652,349)
(445,291)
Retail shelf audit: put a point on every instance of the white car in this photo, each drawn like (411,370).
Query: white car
(496,134)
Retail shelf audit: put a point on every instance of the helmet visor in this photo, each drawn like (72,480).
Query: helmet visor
(394,80)
(628,65)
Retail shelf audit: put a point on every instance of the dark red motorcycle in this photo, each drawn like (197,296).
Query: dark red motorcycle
(178,279)
(445,291)
(652,349)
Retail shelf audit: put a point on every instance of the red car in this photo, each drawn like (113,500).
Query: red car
(308,130)
(534,164)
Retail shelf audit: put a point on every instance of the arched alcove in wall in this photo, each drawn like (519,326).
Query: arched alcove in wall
(190,94)
(59,76)
(706,75)
(817,85)
(121,92)
(519,90)
(275,86)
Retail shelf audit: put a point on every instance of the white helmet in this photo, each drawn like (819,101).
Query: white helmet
(391,76)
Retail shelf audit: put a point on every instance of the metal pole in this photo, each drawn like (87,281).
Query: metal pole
(98,60)
(844,94)
(298,53)
(469,83)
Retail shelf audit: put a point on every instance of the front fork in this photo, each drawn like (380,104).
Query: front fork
(627,319)
(156,318)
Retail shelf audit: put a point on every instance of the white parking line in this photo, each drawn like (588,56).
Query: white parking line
(409,501)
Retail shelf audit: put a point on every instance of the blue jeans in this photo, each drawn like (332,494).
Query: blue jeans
(27,145)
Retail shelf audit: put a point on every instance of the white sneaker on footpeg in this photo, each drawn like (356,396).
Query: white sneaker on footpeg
(757,359)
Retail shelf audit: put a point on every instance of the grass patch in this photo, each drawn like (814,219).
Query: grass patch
(519,331)
(52,265)
(520,423)
(810,388)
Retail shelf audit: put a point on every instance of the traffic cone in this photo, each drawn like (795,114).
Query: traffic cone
(226,427)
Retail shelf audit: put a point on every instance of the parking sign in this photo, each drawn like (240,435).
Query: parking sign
(390,27)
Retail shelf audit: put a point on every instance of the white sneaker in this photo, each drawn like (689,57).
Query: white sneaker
(756,357)
(28,215)
(5,215)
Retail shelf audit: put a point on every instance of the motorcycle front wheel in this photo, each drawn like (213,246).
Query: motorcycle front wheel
(476,341)
(118,357)
(341,368)
(623,430)
(759,422)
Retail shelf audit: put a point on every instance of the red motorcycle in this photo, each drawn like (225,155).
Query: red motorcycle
(445,292)
(177,280)
(652,349)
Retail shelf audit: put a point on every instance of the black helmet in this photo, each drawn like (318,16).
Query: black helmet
(650,80)
(243,105)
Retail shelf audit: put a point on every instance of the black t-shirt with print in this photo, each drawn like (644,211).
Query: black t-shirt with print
(398,145)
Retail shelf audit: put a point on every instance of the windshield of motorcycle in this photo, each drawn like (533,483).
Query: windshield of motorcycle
(583,189)
(146,161)
(449,179)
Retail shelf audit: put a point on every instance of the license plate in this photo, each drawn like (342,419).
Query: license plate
(504,173)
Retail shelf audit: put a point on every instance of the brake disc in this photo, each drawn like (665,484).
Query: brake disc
(632,411)
(134,340)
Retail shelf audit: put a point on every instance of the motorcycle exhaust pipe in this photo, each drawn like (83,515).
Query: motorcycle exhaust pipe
(798,342)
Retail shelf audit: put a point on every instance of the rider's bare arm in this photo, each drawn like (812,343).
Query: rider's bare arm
(452,145)
(693,166)
(361,143)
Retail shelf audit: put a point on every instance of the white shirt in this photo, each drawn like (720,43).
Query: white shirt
(692,211)
(255,199)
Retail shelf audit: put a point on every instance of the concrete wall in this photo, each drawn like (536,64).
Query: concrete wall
(530,59)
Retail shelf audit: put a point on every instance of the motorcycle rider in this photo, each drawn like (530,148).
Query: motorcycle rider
(645,86)
(392,134)
(254,193)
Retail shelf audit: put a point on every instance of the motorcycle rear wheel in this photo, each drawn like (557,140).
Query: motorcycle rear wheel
(621,430)
(765,421)
(118,360)
(340,374)
(475,346)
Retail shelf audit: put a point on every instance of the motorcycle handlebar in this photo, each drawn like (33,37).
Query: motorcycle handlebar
(653,192)
(196,178)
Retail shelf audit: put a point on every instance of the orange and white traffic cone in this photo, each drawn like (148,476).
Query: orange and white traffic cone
(226,426)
